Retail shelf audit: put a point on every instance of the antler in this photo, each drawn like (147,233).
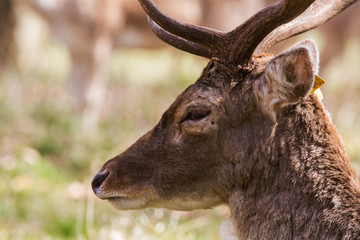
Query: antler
(237,46)
(248,35)
(319,12)
(179,42)
(196,34)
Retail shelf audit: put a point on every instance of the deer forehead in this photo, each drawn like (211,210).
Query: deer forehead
(218,84)
(198,94)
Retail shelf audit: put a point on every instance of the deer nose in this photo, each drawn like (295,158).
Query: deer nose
(98,179)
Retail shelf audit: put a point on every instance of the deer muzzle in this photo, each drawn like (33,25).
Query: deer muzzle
(98,180)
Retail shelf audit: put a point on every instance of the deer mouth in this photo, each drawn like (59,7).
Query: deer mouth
(131,198)
(127,203)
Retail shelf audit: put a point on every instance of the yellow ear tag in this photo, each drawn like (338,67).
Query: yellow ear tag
(318,83)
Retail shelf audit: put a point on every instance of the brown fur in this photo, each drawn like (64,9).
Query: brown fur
(282,170)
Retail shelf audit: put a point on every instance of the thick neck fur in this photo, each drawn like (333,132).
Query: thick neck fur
(301,185)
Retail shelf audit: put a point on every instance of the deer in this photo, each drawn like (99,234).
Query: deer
(249,133)
(92,29)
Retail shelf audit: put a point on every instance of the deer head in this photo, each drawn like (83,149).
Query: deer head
(221,131)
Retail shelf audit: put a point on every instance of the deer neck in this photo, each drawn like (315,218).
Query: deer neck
(302,179)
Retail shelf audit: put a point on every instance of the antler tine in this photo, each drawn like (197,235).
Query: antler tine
(248,35)
(179,42)
(206,37)
(319,12)
(255,35)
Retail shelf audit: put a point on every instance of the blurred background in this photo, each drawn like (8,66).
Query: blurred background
(80,80)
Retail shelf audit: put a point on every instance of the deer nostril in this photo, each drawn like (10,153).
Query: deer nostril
(98,179)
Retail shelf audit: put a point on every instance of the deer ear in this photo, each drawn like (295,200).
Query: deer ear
(290,76)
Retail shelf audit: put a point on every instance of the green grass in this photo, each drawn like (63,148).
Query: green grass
(47,160)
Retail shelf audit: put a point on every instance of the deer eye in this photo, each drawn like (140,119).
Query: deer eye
(196,115)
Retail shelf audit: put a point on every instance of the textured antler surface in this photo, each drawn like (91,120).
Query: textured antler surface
(319,12)
(247,36)
(179,42)
(190,32)
(237,47)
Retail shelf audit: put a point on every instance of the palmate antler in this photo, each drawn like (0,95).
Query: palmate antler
(256,35)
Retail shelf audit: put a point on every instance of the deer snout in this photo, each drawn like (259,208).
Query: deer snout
(98,180)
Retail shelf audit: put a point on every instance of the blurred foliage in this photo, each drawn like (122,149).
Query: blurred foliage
(47,159)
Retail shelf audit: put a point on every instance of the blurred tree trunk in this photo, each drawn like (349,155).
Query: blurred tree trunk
(7,26)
